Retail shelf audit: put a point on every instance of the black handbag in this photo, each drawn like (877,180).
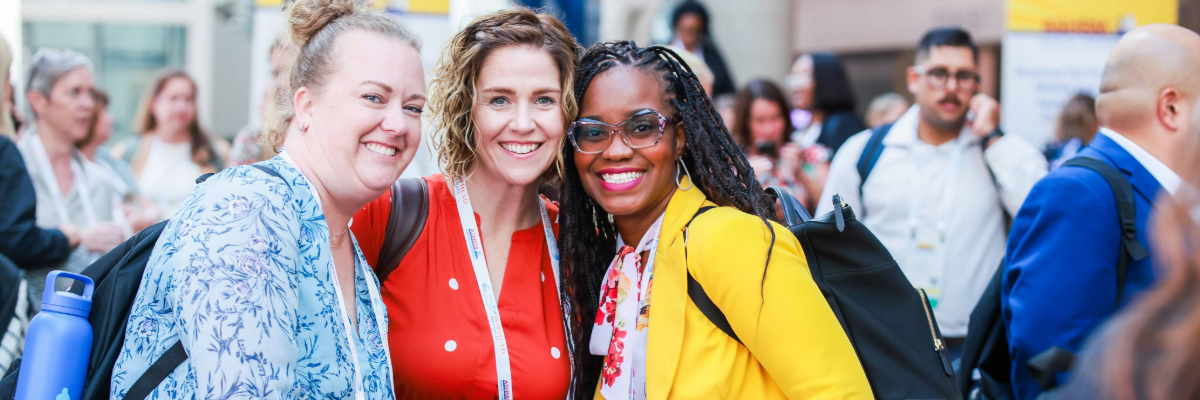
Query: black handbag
(888,321)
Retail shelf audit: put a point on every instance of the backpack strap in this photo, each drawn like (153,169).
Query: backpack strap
(870,155)
(268,170)
(699,297)
(410,209)
(793,211)
(1131,249)
(162,367)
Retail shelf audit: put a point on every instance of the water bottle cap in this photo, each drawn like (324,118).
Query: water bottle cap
(67,302)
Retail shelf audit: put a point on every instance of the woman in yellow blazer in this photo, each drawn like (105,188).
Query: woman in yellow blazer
(647,154)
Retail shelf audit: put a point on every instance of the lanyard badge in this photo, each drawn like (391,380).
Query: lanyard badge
(466,215)
(926,261)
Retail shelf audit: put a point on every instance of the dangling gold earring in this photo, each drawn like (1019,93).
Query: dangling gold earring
(678,182)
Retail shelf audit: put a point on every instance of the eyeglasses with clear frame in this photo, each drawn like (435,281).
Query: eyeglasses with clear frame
(644,129)
(967,81)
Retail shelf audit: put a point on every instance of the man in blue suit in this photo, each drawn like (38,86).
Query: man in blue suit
(1063,248)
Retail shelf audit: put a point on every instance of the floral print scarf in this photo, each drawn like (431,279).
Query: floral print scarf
(623,321)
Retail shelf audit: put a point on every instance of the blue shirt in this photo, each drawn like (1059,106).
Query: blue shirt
(243,275)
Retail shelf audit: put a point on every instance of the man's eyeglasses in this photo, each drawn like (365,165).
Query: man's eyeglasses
(967,81)
(644,129)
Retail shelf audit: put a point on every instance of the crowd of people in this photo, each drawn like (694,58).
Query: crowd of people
(304,268)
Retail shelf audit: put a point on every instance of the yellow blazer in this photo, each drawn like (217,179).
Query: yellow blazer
(794,346)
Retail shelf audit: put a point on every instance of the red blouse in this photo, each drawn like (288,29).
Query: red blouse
(438,332)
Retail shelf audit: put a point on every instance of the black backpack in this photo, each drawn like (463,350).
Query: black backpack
(117,276)
(986,347)
(888,321)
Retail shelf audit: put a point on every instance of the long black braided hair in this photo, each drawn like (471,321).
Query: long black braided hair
(718,168)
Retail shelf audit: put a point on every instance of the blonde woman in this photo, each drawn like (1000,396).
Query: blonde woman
(501,98)
(256,277)
(172,150)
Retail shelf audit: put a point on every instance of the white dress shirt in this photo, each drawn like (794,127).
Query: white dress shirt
(1168,179)
(975,230)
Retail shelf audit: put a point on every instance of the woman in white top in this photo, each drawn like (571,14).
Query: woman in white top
(172,150)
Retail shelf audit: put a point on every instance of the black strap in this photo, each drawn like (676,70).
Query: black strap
(1131,249)
(699,297)
(1044,366)
(263,168)
(708,308)
(410,209)
(145,384)
(793,212)
(870,155)
(270,171)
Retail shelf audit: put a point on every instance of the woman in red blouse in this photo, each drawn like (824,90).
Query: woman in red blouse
(501,97)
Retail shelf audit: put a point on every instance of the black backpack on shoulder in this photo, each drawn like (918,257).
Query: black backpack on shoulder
(117,276)
(986,347)
(888,321)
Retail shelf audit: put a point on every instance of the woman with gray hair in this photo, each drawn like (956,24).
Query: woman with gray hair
(69,188)
(23,244)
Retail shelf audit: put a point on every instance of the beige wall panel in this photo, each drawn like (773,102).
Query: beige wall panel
(868,25)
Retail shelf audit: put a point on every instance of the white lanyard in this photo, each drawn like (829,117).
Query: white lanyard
(946,205)
(337,287)
(466,215)
(56,195)
(563,300)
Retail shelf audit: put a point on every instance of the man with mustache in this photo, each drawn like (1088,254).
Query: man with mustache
(1061,279)
(935,186)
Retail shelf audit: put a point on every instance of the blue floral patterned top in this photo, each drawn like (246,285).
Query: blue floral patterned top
(244,277)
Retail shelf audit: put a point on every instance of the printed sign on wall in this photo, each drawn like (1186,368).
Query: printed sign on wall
(1089,16)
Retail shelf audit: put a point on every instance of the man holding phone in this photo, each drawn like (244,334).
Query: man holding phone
(936,186)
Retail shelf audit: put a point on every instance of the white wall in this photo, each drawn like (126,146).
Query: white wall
(231,55)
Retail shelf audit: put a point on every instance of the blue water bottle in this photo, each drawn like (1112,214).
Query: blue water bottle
(59,344)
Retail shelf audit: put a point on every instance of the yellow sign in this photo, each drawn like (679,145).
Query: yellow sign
(377,4)
(429,6)
(1089,16)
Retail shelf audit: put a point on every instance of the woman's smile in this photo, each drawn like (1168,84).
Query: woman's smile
(521,150)
(620,179)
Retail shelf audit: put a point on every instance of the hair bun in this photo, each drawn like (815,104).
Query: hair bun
(306,18)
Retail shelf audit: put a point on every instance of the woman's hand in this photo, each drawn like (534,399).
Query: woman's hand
(143,215)
(791,160)
(72,234)
(763,167)
(101,237)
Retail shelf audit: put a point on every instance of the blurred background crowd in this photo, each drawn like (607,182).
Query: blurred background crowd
(786,73)
(177,88)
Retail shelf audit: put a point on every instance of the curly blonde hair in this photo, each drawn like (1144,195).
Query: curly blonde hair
(453,89)
(314,26)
